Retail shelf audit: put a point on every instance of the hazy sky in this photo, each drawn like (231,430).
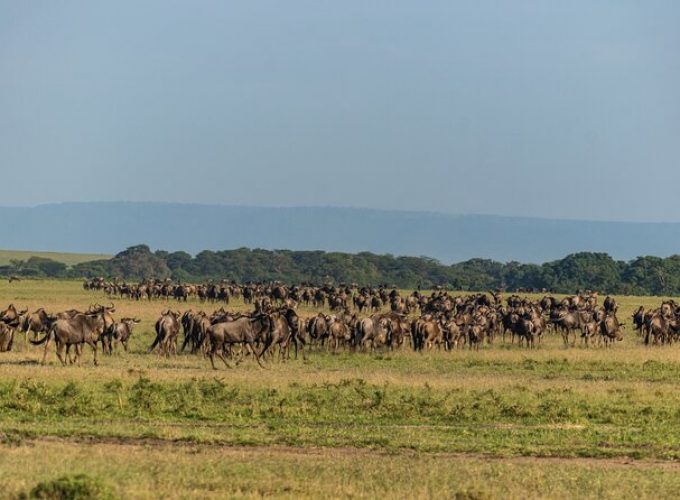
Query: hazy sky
(566,109)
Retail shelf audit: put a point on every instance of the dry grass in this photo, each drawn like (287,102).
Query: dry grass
(173,471)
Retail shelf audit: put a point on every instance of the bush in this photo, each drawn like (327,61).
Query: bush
(73,487)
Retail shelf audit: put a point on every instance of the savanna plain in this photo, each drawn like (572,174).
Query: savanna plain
(508,422)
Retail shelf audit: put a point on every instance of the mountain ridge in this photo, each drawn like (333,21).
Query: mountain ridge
(107,227)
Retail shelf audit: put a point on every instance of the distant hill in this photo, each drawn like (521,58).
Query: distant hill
(105,228)
(70,259)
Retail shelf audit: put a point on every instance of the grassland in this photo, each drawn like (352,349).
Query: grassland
(503,422)
(70,259)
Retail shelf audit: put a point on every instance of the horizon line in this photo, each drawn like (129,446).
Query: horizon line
(336,207)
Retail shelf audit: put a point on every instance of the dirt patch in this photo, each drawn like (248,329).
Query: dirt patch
(233,450)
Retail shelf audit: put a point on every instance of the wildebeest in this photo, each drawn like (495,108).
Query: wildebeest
(120,332)
(37,322)
(639,319)
(10,316)
(317,328)
(611,329)
(6,337)
(79,330)
(373,330)
(244,331)
(167,330)
(339,331)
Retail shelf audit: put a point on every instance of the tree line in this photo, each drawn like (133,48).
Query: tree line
(578,271)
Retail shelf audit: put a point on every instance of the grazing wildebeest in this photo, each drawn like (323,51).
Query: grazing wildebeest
(611,329)
(121,332)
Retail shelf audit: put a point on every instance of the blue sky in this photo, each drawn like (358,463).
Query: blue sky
(539,108)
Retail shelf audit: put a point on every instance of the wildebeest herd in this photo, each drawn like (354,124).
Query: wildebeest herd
(660,325)
(352,318)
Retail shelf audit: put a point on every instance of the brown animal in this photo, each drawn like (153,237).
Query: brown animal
(121,332)
(167,330)
(611,329)
(244,331)
(6,337)
(37,322)
(79,330)
(10,316)
(339,331)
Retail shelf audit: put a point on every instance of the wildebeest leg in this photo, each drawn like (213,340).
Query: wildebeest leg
(267,343)
(11,339)
(295,343)
(211,355)
(224,360)
(47,343)
(60,348)
(172,346)
(301,340)
(94,349)
(78,348)
(164,348)
(188,338)
(253,351)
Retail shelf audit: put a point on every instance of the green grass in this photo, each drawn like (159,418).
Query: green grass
(69,259)
(503,422)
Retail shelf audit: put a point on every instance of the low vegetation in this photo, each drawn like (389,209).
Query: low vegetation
(585,270)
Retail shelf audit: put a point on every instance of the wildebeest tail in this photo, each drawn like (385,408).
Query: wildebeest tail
(44,339)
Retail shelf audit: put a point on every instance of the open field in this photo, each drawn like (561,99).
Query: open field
(502,422)
(69,259)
